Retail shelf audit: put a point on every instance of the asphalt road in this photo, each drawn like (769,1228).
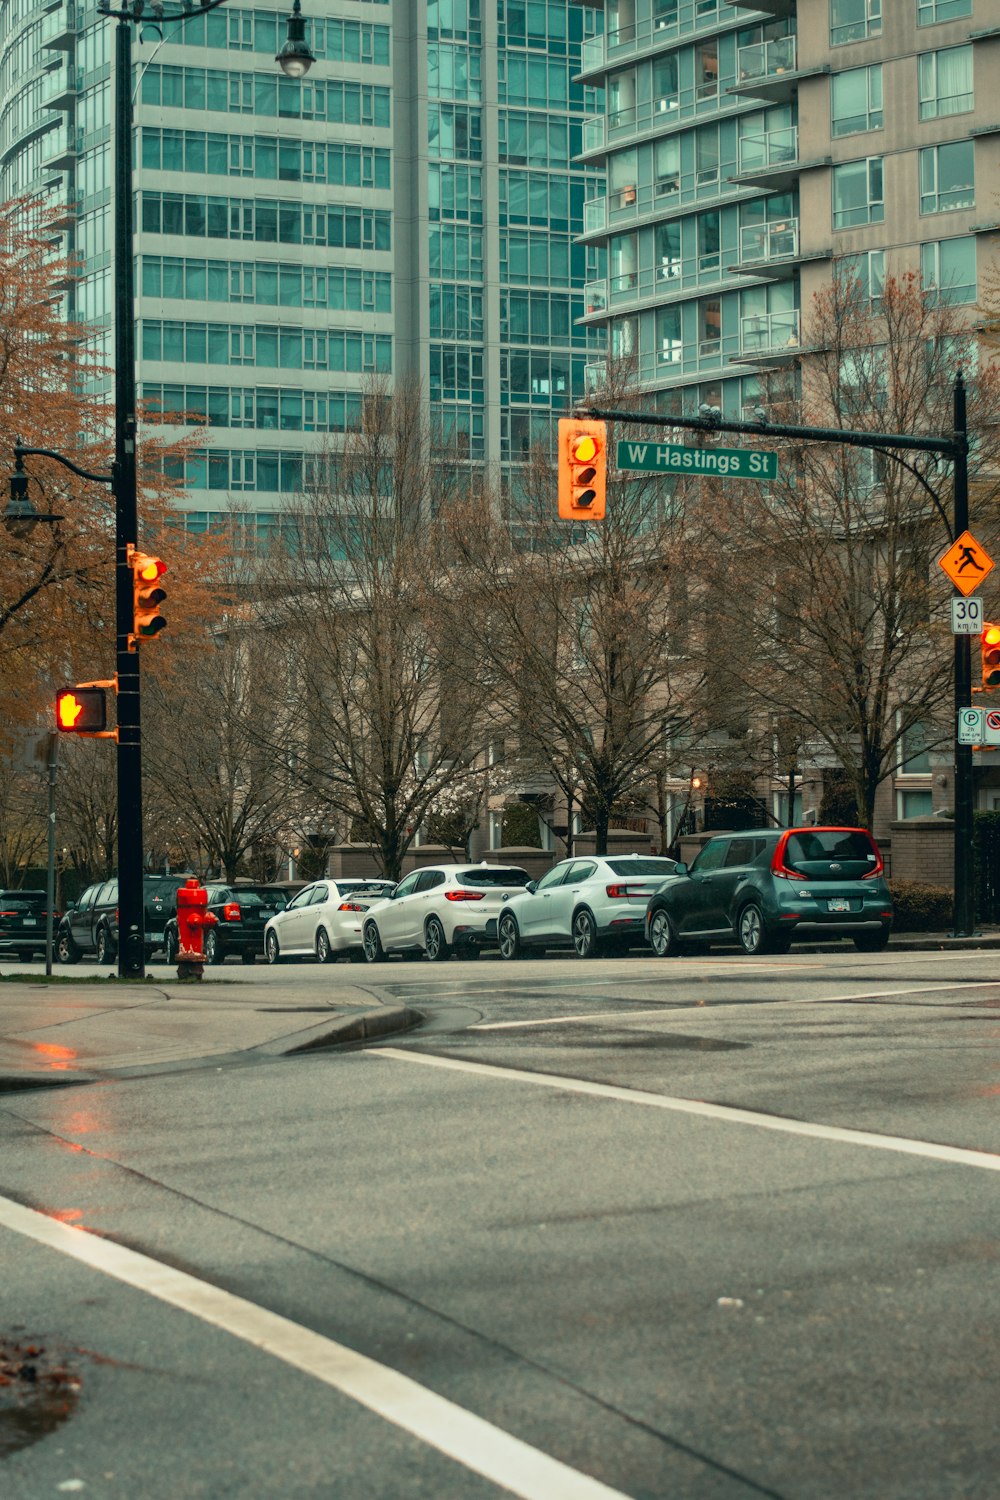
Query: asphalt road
(711,1228)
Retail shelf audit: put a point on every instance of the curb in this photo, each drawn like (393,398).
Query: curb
(362,1026)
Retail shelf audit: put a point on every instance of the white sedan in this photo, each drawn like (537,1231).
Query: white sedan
(440,910)
(587,904)
(323,921)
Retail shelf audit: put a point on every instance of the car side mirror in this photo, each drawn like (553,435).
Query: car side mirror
(680,868)
(532,886)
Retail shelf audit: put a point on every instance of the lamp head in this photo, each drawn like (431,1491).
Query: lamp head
(295,59)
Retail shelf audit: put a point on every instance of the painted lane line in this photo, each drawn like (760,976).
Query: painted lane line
(724,1113)
(472,1442)
(666,1009)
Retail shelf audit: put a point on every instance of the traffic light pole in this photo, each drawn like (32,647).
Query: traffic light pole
(131,937)
(956,449)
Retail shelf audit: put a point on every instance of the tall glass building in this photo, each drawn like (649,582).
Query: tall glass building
(747,149)
(413,207)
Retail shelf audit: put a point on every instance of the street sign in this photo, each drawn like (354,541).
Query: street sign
(966,616)
(978,726)
(966,563)
(675,458)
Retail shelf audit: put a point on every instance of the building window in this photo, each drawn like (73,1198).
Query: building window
(914,803)
(857,193)
(948,270)
(931,12)
(945,80)
(856,100)
(868,269)
(947,177)
(854,20)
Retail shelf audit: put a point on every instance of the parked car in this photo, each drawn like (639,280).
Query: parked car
(766,886)
(585,904)
(440,910)
(23,920)
(241,913)
(324,920)
(90,925)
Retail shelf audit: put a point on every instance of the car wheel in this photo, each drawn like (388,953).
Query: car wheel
(872,942)
(105,947)
(373,950)
(248,956)
(170,944)
(66,950)
(272,948)
(585,935)
(508,937)
(324,953)
(750,929)
(435,943)
(662,937)
(213,952)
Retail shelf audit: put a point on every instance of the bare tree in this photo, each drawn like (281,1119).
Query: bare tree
(379,721)
(823,592)
(581,629)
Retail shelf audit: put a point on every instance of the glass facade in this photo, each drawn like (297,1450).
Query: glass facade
(281,229)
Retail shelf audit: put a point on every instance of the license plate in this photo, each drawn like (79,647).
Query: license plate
(30,922)
(838,903)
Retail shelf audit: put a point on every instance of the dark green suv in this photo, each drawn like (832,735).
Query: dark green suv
(765,886)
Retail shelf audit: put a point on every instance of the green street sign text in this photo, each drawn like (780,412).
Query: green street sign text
(672,458)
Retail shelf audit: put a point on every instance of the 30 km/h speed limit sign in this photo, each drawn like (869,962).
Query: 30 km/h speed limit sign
(966,616)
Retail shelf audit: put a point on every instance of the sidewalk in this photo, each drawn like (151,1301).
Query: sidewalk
(53,1034)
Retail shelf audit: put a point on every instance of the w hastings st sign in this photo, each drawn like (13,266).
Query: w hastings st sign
(675,458)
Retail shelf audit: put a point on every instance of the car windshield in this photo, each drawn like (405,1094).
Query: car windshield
(492,876)
(640,866)
(248,896)
(845,845)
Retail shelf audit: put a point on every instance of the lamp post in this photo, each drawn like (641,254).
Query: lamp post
(295,60)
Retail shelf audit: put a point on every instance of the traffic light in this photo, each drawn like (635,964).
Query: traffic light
(81,710)
(991,656)
(583,467)
(147,596)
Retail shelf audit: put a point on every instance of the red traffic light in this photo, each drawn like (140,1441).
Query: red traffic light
(147,596)
(81,710)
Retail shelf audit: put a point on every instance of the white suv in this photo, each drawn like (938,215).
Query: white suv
(440,910)
(586,903)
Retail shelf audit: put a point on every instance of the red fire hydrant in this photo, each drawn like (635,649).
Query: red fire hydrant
(193,917)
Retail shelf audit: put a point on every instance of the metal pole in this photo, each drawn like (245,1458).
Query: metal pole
(131,938)
(51,766)
(964,893)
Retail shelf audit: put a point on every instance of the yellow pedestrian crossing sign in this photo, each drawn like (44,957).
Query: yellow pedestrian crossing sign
(966,563)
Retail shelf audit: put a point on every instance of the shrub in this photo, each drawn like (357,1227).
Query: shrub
(921,908)
(520,826)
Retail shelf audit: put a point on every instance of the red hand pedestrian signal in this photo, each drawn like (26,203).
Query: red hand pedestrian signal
(81,710)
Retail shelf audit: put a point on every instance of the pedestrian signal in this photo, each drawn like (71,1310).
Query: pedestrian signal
(583,467)
(81,710)
(991,656)
(147,596)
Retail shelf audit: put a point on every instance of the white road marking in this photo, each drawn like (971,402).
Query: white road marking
(725,1113)
(472,1442)
(666,1009)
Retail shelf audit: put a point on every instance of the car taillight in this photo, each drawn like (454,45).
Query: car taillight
(464,895)
(620,892)
(8,913)
(351,906)
(231,912)
(778,866)
(879,866)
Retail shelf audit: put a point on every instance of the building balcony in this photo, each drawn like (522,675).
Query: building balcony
(624,205)
(60,87)
(595,297)
(770,333)
(673,21)
(59,148)
(771,157)
(593,134)
(781,9)
(60,27)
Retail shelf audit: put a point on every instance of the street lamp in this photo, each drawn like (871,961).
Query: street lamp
(295,59)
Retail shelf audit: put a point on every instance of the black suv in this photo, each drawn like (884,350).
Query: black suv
(22,922)
(242,911)
(91,924)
